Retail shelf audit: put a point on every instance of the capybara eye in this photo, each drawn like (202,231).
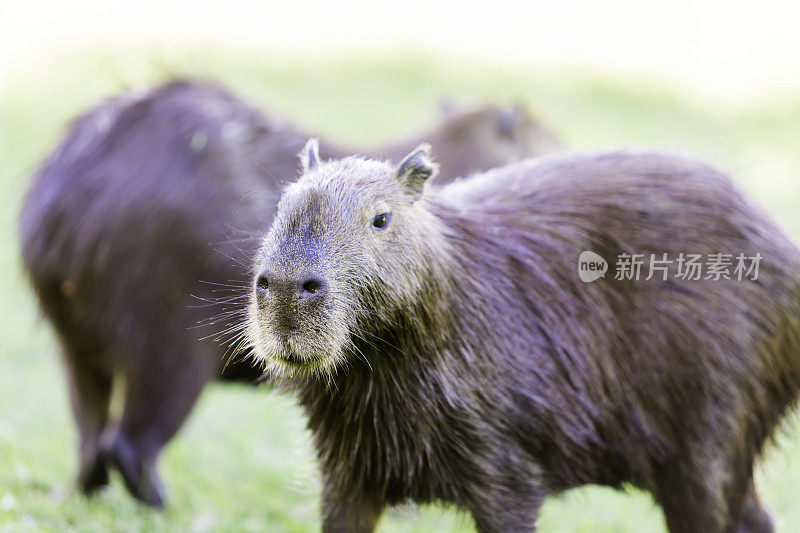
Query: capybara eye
(381,221)
(262,283)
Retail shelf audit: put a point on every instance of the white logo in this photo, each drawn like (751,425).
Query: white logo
(591,267)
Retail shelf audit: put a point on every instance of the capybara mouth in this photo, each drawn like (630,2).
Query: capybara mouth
(293,359)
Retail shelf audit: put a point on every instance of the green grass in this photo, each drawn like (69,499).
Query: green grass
(243,461)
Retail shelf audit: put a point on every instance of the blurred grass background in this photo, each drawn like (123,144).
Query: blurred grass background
(243,462)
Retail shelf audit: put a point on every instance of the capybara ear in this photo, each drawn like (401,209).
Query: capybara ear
(309,155)
(415,169)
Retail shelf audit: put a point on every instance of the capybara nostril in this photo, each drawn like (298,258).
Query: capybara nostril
(312,288)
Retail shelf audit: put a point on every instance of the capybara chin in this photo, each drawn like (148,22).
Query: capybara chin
(445,348)
(138,233)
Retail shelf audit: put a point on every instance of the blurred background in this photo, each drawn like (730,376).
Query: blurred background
(717,80)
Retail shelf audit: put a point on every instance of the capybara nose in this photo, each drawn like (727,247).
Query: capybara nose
(306,288)
(312,288)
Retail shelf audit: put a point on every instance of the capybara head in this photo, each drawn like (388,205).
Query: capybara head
(498,135)
(345,246)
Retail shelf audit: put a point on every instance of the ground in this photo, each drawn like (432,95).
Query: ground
(243,462)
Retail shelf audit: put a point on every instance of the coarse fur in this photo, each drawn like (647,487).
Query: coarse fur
(138,235)
(454,355)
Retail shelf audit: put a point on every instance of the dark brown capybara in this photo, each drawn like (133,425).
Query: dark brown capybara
(149,209)
(444,347)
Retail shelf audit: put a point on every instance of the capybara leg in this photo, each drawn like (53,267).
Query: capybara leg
(514,508)
(755,519)
(349,513)
(138,469)
(157,403)
(90,394)
(711,500)
(492,523)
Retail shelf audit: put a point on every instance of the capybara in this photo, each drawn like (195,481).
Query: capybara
(141,226)
(445,348)
(469,141)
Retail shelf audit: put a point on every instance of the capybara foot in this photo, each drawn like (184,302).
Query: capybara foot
(139,473)
(93,475)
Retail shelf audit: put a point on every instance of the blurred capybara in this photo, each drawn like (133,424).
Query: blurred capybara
(470,141)
(140,227)
(445,348)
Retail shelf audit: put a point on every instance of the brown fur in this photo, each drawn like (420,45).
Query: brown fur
(454,355)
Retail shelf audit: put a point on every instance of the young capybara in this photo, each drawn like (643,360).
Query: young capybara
(142,224)
(445,348)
